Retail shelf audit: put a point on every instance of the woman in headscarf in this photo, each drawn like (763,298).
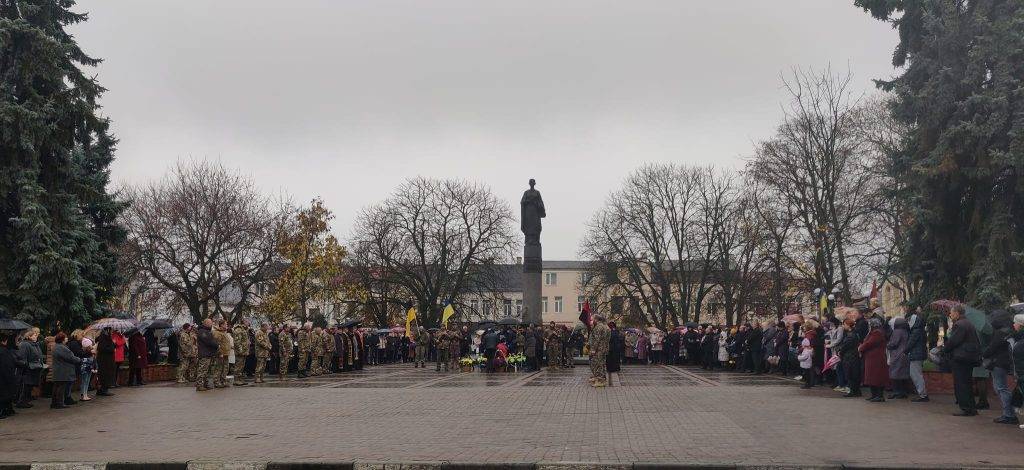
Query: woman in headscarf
(876,371)
(899,363)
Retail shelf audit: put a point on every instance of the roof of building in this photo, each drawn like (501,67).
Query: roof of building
(562,264)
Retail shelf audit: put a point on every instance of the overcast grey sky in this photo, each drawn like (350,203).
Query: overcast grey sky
(344,99)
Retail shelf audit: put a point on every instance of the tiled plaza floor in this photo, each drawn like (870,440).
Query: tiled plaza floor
(649,414)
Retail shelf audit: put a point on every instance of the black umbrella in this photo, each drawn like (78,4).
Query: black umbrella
(483,325)
(157,324)
(1018,308)
(10,324)
(351,323)
(509,321)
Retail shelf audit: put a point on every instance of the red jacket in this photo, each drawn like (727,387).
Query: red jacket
(138,355)
(876,368)
(119,346)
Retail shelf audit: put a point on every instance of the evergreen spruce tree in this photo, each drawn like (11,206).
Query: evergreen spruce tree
(962,92)
(57,218)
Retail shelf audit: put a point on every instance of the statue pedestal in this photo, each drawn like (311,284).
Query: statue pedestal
(532,268)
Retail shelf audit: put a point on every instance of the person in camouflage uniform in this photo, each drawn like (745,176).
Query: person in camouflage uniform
(285,344)
(304,349)
(220,334)
(240,333)
(422,346)
(553,346)
(316,351)
(329,349)
(600,337)
(262,341)
(441,344)
(567,347)
(454,346)
(187,353)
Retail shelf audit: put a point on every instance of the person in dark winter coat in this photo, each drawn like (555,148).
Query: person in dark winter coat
(33,358)
(755,349)
(138,358)
(963,351)
(917,352)
(997,359)
(899,363)
(876,371)
(65,371)
(105,363)
(9,382)
(850,357)
(1017,351)
(616,348)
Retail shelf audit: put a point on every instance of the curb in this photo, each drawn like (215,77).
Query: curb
(391,465)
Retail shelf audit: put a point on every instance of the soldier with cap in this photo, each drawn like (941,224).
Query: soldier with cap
(422,346)
(441,343)
(262,341)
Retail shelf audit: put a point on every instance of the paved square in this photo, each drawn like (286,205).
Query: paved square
(396,412)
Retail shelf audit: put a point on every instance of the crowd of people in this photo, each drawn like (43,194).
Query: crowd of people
(854,351)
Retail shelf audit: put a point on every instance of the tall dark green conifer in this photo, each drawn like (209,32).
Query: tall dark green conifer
(57,218)
(962,91)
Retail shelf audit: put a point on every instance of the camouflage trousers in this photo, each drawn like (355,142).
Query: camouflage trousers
(421,356)
(599,367)
(554,354)
(442,359)
(203,372)
(317,367)
(282,366)
(303,362)
(453,359)
(261,367)
(220,376)
(187,369)
(238,369)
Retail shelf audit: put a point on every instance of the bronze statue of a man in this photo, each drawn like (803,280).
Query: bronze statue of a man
(532,207)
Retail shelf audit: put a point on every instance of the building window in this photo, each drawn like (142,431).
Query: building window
(544,304)
(487,308)
(579,303)
(473,304)
(550,279)
(508,307)
(586,277)
(558,304)
(519,307)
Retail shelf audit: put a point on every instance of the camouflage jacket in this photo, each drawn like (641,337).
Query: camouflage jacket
(599,339)
(303,339)
(441,340)
(262,344)
(316,343)
(223,344)
(187,346)
(286,343)
(241,335)
(329,345)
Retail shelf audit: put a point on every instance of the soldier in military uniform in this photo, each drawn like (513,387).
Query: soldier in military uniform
(553,346)
(220,334)
(316,348)
(330,365)
(262,341)
(454,345)
(285,344)
(240,333)
(422,346)
(567,347)
(304,349)
(441,344)
(600,336)
(187,353)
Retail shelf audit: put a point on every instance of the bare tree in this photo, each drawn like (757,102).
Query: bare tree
(816,164)
(433,240)
(206,235)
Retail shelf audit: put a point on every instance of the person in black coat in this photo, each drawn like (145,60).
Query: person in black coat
(850,357)
(917,353)
(9,382)
(997,359)
(616,347)
(105,365)
(755,349)
(963,351)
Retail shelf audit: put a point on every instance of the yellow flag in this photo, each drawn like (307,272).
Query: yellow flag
(448,312)
(409,317)
(824,303)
